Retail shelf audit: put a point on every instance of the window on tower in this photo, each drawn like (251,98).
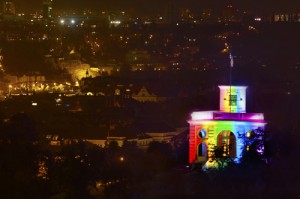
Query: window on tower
(202,133)
(232,100)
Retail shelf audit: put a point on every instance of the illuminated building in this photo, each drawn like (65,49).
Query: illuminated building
(229,128)
(287,17)
(144,95)
(9,8)
(47,9)
(186,15)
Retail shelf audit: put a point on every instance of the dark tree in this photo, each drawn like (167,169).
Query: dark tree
(161,154)
(20,154)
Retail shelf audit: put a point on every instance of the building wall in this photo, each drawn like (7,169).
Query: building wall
(212,130)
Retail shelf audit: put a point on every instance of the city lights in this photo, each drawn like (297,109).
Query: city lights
(147,99)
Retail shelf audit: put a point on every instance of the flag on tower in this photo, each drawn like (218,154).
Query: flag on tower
(231,60)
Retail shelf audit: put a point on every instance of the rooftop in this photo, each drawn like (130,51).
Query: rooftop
(218,115)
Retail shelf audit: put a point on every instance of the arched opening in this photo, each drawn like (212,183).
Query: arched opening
(227,140)
(202,150)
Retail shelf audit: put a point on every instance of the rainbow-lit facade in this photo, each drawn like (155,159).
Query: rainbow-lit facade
(228,126)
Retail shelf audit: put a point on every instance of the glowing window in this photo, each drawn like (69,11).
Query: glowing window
(249,134)
(233,100)
(202,133)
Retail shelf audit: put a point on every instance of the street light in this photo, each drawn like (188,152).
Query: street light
(9,89)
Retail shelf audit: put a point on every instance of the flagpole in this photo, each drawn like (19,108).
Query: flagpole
(230,90)
(230,80)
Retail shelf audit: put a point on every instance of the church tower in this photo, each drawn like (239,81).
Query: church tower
(233,99)
(229,127)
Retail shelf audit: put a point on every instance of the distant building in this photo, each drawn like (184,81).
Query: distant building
(206,15)
(143,95)
(9,12)
(141,142)
(11,35)
(78,70)
(47,9)
(159,130)
(230,127)
(106,70)
(100,136)
(186,15)
(9,8)
(286,17)
(231,14)
(31,78)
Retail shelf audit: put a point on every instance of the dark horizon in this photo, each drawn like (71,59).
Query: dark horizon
(150,6)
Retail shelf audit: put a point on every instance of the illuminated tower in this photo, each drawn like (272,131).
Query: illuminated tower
(233,99)
(230,127)
(9,8)
(47,9)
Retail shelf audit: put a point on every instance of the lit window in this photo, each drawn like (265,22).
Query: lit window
(249,134)
(233,100)
(202,133)
(247,148)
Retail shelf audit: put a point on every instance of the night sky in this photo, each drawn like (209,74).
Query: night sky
(255,6)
